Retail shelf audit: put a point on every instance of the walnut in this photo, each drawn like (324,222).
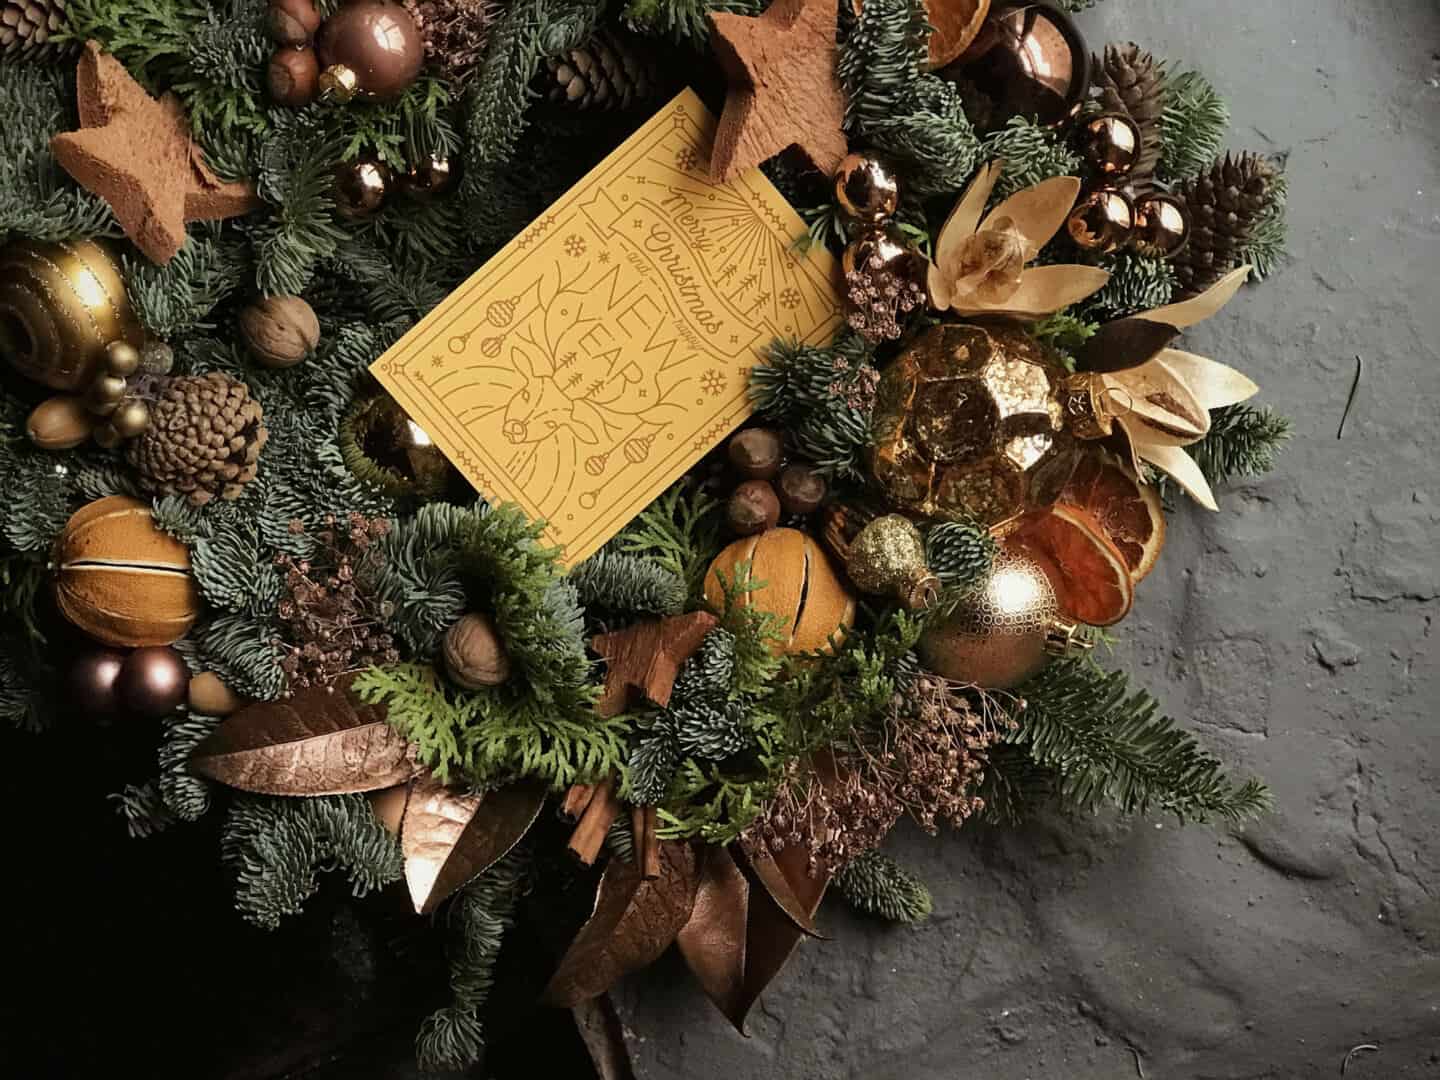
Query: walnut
(280,331)
(474,655)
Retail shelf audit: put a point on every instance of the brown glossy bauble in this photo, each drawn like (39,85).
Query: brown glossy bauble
(369,49)
(865,190)
(91,681)
(1162,227)
(1102,221)
(383,446)
(1111,144)
(153,681)
(1003,631)
(968,423)
(1028,60)
(429,179)
(752,508)
(293,76)
(360,189)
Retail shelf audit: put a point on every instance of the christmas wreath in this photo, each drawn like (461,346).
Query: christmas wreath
(877,599)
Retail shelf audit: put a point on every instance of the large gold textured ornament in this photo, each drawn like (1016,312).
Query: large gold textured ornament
(800,585)
(120,579)
(1004,630)
(60,306)
(969,423)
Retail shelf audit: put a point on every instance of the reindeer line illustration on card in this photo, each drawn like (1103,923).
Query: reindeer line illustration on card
(605,349)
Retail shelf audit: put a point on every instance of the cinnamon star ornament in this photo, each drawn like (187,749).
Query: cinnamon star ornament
(136,153)
(784,90)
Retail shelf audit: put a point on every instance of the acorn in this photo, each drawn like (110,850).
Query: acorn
(60,423)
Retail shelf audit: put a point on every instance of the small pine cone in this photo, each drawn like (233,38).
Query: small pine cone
(1224,204)
(1131,81)
(203,441)
(610,71)
(27,27)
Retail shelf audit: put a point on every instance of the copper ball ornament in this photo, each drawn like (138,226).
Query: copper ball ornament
(91,681)
(1162,227)
(1111,144)
(866,190)
(381,445)
(1003,631)
(1102,221)
(369,49)
(429,179)
(153,681)
(360,188)
(1028,60)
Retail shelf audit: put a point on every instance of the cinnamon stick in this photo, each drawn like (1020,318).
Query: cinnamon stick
(594,823)
(647,848)
(576,801)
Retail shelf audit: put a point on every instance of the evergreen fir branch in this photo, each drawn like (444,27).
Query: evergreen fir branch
(653,761)
(709,803)
(186,796)
(629,585)
(1192,127)
(143,809)
(1136,284)
(959,553)
(412,129)
(174,299)
(1064,332)
(1031,153)
(1112,745)
(796,388)
(1015,785)
(1269,232)
(418,575)
(297,177)
(931,136)
(683,20)
(278,846)
(881,59)
(1242,441)
(23,582)
(20,696)
(679,532)
(875,884)
(243,650)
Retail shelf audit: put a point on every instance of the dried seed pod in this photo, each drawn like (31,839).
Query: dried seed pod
(475,657)
(293,76)
(802,489)
(210,696)
(753,508)
(756,453)
(60,423)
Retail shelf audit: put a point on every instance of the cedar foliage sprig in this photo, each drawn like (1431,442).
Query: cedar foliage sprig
(679,533)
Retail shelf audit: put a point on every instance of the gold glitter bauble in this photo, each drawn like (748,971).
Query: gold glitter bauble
(887,557)
(60,306)
(1004,630)
(1102,221)
(969,424)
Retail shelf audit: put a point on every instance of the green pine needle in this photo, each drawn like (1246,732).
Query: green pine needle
(875,884)
(1242,441)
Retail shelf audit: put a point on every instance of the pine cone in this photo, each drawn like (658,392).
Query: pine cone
(1224,204)
(455,32)
(203,441)
(610,71)
(26,26)
(1131,81)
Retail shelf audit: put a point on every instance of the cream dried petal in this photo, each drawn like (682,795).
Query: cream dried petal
(1180,467)
(1199,308)
(1038,211)
(1214,384)
(963,219)
(1044,290)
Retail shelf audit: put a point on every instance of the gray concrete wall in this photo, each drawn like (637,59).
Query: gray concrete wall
(1293,631)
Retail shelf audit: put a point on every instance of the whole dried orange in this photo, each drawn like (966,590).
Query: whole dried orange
(1092,579)
(1127,511)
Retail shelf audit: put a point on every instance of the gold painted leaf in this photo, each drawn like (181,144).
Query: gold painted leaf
(321,741)
(633,923)
(449,838)
(712,943)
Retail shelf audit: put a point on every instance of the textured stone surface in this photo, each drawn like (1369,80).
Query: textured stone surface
(1293,631)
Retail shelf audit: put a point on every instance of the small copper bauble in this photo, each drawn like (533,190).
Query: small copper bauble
(1102,221)
(122,358)
(1002,631)
(866,190)
(1028,60)
(293,77)
(360,188)
(429,179)
(369,49)
(1112,145)
(153,681)
(91,681)
(1162,226)
(130,419)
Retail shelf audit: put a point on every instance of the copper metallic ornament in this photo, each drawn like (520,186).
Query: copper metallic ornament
(1029,60)
(153,681)
(430,179)
(887,558)
(293,76)
(1102,221)
(1003,631)
(360,188)
(969,423)
(1162,226)
(866,190)
(91,681)
(369,49)
(61,305)
(1111,145)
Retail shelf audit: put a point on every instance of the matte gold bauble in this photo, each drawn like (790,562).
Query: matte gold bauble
(1112,145)
(1102,221)
(1162,227)
(800,586)
(131,419)
(429,179)
(60,306)
(1028,60)
(105,394)
(866,190)
(360,188)
(369,49)
(969,423)
(122,359)
(1002,632)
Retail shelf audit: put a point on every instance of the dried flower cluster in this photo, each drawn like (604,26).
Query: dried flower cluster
(877,295)
(330,625)
(926,759)
(855,382)
(455,32)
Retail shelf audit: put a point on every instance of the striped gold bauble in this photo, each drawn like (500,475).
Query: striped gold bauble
(60,306)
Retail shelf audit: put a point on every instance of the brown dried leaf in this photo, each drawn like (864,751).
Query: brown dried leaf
(449,838)
(712,943)
(772,876)
(321,741)
(634,922)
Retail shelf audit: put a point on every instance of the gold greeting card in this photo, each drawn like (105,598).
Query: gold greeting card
(606,348)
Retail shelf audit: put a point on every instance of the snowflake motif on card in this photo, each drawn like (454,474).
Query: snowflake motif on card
(574,245)
(790,298)
(686,159)
(713,382)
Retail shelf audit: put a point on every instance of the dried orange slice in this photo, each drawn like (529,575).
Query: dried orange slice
(1129,512)
(1092,579)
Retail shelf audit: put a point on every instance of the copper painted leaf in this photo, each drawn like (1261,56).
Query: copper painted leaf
(322,741)
(633,923)
(712,943)
(449,838)
(769,873)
